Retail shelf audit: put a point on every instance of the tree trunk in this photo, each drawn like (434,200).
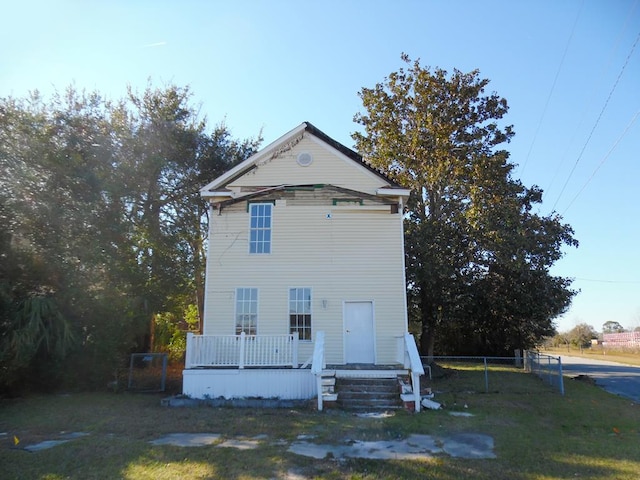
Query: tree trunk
(429,323)
(427,340)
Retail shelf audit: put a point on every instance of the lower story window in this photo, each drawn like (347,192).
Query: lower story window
(246,311)
(300,312)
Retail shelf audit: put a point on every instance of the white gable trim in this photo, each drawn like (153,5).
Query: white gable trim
(251,161)
(393,192)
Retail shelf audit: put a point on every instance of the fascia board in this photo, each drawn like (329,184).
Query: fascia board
(393,192)
(218,194)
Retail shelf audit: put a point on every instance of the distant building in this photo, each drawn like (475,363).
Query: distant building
(621,340)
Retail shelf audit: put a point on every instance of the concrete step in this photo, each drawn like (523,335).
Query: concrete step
(328,381)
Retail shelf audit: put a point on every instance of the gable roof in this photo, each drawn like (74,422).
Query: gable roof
(217,185)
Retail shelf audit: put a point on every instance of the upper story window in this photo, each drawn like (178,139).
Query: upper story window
(260,227)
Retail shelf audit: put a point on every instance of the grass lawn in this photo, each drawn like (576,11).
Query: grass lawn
(539,435)
(630,357)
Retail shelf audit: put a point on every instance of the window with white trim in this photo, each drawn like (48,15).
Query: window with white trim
(300,312)
(246,311)
(260,227)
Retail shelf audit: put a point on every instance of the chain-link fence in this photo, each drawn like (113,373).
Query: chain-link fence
(148,372)
(468,374)
(546,367)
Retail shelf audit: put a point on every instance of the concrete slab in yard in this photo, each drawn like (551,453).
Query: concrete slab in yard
(64,438)
(469,445)
(249,444)
(415,447)
(187,439)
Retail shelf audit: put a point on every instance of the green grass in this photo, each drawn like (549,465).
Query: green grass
(539,435)
(629,356)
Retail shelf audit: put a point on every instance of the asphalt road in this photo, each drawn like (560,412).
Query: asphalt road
(616,378)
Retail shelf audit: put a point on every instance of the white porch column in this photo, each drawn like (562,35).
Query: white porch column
(294,353)
(243,339)
(188,357)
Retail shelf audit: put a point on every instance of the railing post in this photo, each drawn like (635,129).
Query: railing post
(318,365)
(319,390)
(417,398)
(188,357)
(294,353)
(243,338)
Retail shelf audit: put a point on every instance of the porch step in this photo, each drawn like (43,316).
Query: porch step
(368,393)
(329,386)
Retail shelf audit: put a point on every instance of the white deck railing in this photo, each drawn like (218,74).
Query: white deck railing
(318,365)
(240,351)
(408,352)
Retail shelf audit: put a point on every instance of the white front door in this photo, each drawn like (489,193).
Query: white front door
(358,332)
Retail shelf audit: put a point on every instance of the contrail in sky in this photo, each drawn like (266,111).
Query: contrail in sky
(157,44)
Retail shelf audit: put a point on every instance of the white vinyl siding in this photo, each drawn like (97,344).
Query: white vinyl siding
(352,255)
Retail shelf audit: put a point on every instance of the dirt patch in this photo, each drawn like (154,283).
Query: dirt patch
(584,378)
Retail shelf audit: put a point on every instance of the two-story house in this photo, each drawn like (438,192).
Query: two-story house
(305,273)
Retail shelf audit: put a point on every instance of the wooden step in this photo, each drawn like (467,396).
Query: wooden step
(368,393)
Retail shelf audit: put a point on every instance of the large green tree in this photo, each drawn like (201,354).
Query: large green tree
(477,256)
(102,225)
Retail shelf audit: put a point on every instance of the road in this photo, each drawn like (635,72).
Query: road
(616,378)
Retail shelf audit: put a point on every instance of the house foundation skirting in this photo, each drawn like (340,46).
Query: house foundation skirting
(286,384)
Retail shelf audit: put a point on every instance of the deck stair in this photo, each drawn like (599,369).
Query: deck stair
(329,386)
(368,389)
(368,393)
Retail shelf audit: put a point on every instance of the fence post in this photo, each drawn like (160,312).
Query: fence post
(165,359)
(242,340)
(561,379)
(486,376)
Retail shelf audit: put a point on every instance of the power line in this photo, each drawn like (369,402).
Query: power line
(553,86)
(635,117)
(607,281)
(595,125)
(587,105)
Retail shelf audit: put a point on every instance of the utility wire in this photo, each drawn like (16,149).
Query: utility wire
(606,281)
(635,117)
(553,86)
(595,125)
(587,105)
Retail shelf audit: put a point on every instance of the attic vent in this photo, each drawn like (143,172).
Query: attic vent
(304,159)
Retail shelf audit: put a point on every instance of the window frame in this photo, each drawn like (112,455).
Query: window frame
(242,326)
(257,228)
(302,324)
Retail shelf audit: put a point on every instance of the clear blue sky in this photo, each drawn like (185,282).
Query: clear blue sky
(570,71)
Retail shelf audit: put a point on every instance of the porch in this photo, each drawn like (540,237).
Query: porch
(256,366)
